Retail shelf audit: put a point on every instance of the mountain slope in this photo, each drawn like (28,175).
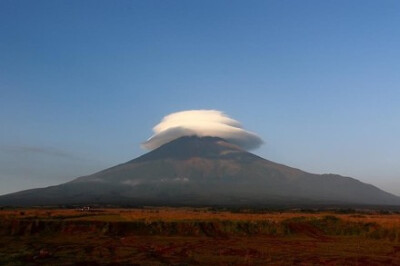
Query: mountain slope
(204,171)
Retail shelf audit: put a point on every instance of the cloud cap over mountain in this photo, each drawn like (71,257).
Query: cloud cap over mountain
(201,123)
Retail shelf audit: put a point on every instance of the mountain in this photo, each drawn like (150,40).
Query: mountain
(194,171)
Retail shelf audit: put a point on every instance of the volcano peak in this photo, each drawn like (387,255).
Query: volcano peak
(192,146)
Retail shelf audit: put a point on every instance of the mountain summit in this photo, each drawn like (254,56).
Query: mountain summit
(201,171)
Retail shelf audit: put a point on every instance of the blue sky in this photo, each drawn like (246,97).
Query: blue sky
(83,82)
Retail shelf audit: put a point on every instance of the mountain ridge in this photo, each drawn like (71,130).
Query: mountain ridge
(203,171)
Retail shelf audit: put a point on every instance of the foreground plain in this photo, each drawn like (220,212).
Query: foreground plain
(182,236)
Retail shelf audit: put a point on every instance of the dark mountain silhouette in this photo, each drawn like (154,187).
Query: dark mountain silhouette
(194,171)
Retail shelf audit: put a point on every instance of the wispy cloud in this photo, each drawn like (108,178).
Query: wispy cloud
(47,151)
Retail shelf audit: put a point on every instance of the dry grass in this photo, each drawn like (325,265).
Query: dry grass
(173,214)
(185,236)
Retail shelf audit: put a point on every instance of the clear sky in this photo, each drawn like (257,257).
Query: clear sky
(83,82)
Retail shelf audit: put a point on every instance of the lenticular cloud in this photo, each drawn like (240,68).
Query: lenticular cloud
(201,123)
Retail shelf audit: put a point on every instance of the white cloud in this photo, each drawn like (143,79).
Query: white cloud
(202,123)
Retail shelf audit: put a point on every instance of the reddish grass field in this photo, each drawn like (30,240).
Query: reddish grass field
(183,236)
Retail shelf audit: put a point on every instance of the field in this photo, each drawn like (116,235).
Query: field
(183,236)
